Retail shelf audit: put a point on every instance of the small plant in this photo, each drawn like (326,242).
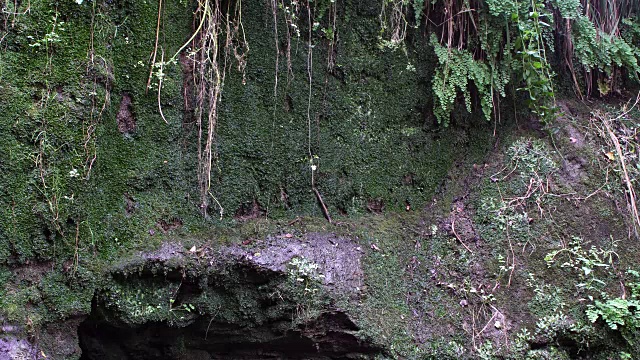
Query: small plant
(531,158)
(530,51)
(499,215)
(619,314)
(622,314)
(468,289)
(50,38)
(186,307)
(547,299)
(304,285)
(616,313)
(137,306)
(486,351)
(305,272)
(504,267)
(584,262)
(550,326)
(521,344)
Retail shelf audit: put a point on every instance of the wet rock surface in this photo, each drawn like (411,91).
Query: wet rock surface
(52,341)
(13,348)
(338,258)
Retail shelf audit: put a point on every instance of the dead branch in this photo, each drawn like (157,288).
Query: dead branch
(325,211)
(453,229)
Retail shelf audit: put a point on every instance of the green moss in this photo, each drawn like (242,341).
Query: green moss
(357,126)
(70,170)
(61,299)
(64,71)
(185,291)
(78,194)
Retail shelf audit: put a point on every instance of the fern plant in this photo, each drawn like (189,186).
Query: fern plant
(457,68)
(491,43)
(621,313)
(616,313)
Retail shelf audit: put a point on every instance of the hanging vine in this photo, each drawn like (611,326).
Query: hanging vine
(482,47)
(491,43)
(218,40)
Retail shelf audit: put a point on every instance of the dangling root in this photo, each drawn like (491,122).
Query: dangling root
(210,53)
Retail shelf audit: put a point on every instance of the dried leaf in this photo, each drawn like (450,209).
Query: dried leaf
(610,156)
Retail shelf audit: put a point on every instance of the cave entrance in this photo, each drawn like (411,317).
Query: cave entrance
(330,337)
(227,305)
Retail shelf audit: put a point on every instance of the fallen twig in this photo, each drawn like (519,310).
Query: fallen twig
(453,229)
(325,211)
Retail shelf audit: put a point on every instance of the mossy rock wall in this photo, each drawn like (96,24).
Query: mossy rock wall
(87,162)
(91,176)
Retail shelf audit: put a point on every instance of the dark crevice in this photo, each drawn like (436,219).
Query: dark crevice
(269,333)
(206,339)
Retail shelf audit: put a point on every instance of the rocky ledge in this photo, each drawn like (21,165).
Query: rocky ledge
(285,297)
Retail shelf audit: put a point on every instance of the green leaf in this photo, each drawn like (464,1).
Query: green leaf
(592,314)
